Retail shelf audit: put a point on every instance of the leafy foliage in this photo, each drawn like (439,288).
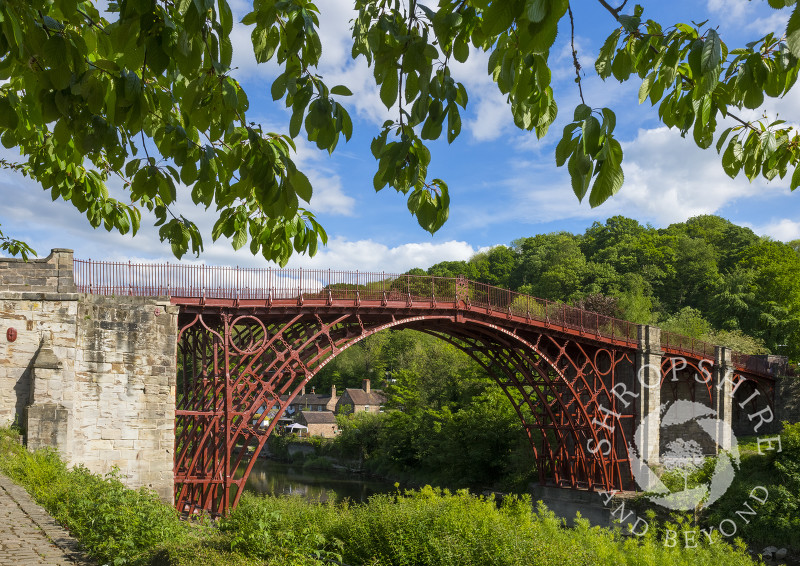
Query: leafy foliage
(434,527)
(148,97)
(115,524)
(778,518)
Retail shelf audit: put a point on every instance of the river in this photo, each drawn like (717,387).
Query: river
(279,478)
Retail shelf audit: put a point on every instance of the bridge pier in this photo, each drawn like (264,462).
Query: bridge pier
(648,373)
(722,390)
(91,376)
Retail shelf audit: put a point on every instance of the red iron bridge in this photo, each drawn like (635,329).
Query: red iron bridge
(250,339)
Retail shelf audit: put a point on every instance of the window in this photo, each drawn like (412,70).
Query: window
(366,408)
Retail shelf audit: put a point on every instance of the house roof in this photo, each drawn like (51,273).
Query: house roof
(318,417)
(311,399)
(361,397)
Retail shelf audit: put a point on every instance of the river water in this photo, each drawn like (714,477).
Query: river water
(278,478)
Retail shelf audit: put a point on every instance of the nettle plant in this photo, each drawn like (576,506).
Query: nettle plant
(143,92)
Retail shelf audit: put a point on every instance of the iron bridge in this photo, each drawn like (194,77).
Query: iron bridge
(250,339)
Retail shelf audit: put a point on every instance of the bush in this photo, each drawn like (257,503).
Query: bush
(318,463)
(256,528)
(428,527)
(778,520)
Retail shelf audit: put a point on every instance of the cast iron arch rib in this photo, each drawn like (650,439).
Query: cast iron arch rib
(237,367)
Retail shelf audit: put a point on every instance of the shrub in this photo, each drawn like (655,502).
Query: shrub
(115,524)
(256,528)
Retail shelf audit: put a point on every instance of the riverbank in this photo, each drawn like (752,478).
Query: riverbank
(426,527)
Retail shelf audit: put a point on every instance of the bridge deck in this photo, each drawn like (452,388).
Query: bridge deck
(202,286)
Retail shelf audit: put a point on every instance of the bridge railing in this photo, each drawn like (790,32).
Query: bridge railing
(687,344)
(187,280)
(552,313)
(754,364)
(222,282)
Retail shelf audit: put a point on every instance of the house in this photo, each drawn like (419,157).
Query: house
(264,422)
(364,400)
(312,402)
(319,423)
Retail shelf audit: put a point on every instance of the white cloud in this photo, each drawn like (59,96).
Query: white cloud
(669,179)
(343,254)
(328,197)
(774,23)
(370,255)
(730,9)
(782,229)
(752,16)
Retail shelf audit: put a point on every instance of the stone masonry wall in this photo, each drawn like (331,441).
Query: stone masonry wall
(125,380)
(92,376)
(37,300)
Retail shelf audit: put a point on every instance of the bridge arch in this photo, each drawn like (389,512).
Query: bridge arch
(235,368)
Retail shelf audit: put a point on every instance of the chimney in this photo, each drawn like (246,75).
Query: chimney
(303,392)
(333,391)
(314,390)
(365,386)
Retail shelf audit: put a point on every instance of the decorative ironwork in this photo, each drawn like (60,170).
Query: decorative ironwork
(250,339)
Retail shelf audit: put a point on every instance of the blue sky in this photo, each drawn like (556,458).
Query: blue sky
(504,183)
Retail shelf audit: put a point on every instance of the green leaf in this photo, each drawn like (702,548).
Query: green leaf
(591,135)
(498,17)
(582,112)
(536,10)
(579,167)
(630,23)
(603,63)
(8,117)
(793,32)
(389,88)
(565,148)
(278,88)
(608,181)
(341,90)
(225,16)
(731,159)
(622,65)
(301,185)
(644,90)
(460,50)
(795,182)
(240,238)
(712,52)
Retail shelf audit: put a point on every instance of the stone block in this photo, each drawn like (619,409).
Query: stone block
(108,433)
(49,425)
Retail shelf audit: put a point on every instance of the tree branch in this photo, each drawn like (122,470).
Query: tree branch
(615,12)
(575,54)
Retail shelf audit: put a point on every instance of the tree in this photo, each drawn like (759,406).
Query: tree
(551,266)
(494,266)
(776,269)
(148,97)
